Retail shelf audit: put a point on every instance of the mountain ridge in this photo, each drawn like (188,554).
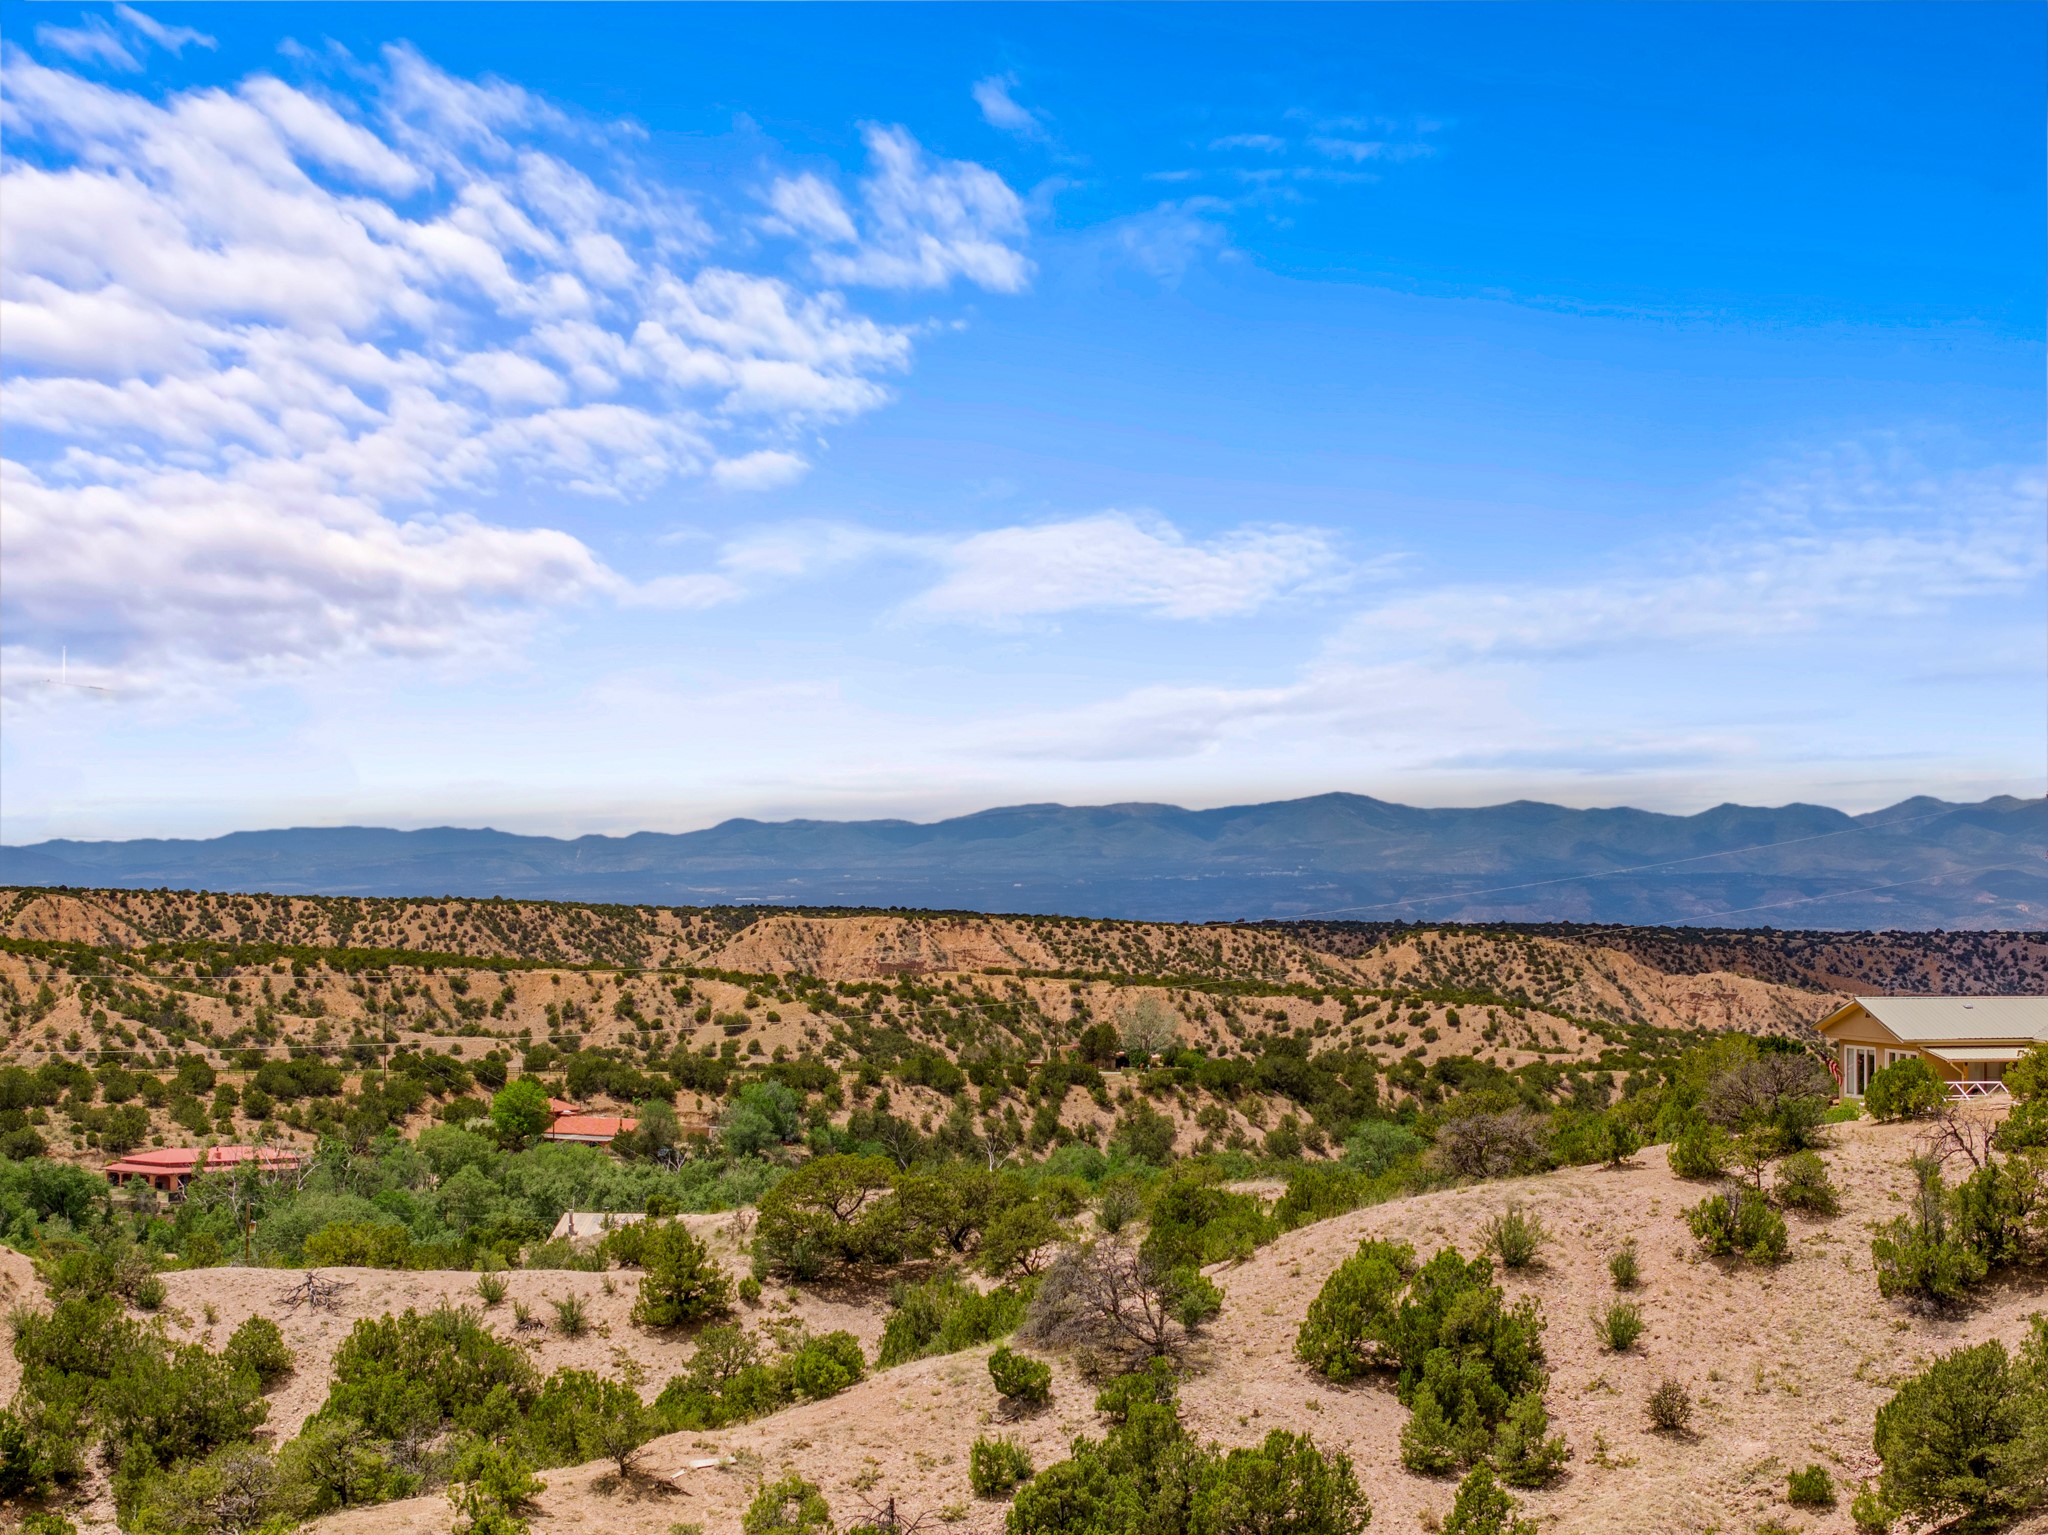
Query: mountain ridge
(1921,863)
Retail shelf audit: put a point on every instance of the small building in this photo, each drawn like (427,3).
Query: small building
(169,1169)
(588,1129)
(1967,1041)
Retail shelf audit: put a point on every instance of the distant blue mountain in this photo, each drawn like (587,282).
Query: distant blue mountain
(1919,864)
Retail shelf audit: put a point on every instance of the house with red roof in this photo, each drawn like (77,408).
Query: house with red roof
(170,1168)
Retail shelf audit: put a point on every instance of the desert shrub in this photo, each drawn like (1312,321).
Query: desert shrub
(1463,1361)
(1018,1239)
(1670,1408)
(1918,1255)
(1525,1452)
(1803,1184)
(1906,1089)
(1155,1385)
(1118,1205)
(1779,1094)
(1195,1220)
(1019,1379)
(728,1381)
(1811,1488)
(572,1315)
(1619,1326)
(491,1288)
(1317,1191)
(1483,1508)
(1624,1268)
(234,1488)
(405,1377)
(360,1244)
(493,1489)
(1869,1514)
(1961,1441)
(1111,1304)
(1997,1211)
(833,1211)
(1491,1145)
(1147,1474)
(944,1315)
(995,1466)
(1380,1145)
(1146,1134)
(579,1416)
(1347,1332)
(1739,1223)
(258,1346)
(1701,1151)
(681,1282)
(1515,1236)
(790,1506)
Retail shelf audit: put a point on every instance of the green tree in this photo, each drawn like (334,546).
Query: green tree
(520,1112)
(1967,1439)
(681,1282)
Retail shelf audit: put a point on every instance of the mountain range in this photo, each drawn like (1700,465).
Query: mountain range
(1922,863)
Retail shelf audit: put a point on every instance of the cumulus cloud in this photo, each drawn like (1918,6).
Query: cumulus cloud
(920,222)
(266,345)
(1002,110)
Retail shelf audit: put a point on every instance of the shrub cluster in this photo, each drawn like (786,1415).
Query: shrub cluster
(1149,1476)
(1468,1366)
(730,1381)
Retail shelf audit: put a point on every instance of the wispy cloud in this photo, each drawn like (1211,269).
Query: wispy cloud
(121,43)
(919,223)
(1265,143)
(1001,109)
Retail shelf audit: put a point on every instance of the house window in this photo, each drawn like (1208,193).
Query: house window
(1859,1065)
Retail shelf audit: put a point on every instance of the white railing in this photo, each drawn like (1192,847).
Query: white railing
(1978,1090)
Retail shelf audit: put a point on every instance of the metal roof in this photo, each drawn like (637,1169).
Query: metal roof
(1924,1020)
(1962,1054)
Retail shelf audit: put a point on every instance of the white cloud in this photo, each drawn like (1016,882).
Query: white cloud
(95,40)
(1842,540)
(921,223)
(1265,143)
(1002,110)
(1167,240)
(265,346)
(1118,561)
(171,39)
(764,469)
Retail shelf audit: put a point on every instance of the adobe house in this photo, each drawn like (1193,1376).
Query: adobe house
(170,1169)
(1968,1041)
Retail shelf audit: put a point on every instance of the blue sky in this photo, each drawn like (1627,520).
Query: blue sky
(589,418)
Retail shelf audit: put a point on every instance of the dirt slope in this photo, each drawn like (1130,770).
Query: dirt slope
(1789,1367)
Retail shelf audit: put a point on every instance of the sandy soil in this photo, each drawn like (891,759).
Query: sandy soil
(1789,1367)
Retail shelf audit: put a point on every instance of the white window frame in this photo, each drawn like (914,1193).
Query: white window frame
(1853,1057)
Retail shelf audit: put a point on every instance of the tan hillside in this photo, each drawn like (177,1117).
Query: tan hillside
(1789,1367)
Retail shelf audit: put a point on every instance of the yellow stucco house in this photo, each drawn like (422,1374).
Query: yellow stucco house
(1969,1041)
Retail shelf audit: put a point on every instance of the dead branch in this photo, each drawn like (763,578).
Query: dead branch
(316,1292)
